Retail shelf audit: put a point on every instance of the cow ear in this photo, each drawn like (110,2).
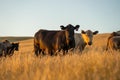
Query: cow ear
(114,33)
(77,27)
(62,27)
(94,33)
(83,32)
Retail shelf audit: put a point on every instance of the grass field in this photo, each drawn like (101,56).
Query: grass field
(93,64)
(12,39)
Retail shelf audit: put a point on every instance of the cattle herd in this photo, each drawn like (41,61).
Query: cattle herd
(53,41)
(7,48)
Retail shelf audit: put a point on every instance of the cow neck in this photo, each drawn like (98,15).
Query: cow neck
(66,36)
(85,38)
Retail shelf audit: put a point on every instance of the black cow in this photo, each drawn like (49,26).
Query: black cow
(12,48)
(3,47)
(49,41)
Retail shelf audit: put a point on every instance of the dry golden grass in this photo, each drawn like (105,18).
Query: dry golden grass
(12,39)
(93,64)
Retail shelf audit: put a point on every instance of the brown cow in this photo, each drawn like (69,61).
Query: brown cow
(83,39)
(50,41)
(113,42)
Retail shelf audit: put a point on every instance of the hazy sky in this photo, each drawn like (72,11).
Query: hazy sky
(25,17)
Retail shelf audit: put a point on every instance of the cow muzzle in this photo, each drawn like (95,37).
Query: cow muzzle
(89,43)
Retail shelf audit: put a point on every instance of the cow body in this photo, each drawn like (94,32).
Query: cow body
(83,39)
(12,48)
(113,42)
(3,47)
(49,42)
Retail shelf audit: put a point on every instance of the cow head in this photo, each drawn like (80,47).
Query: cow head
(115,33)
(15,46)
(69,32)
(88,36)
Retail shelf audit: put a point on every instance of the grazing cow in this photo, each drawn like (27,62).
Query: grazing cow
(50,41)
(113,42)
(83,39)
(12,48)
(3,47)
(114,34)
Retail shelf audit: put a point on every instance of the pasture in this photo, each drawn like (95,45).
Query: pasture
(93,64)
(12,39)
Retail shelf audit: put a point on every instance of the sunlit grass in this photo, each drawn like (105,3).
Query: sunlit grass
(93,64)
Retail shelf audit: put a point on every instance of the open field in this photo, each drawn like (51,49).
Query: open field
(12,39)
(93,64)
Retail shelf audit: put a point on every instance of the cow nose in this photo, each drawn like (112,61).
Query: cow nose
(89,43)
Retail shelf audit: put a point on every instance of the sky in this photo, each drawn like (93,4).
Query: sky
(26,17)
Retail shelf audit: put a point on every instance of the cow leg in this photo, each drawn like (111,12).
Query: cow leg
(11,52)
(63,52)
(81,48)
(43,52)
(37,50)
(1,53)
(5,52)
(116,47)
(80,51)
(50,52)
